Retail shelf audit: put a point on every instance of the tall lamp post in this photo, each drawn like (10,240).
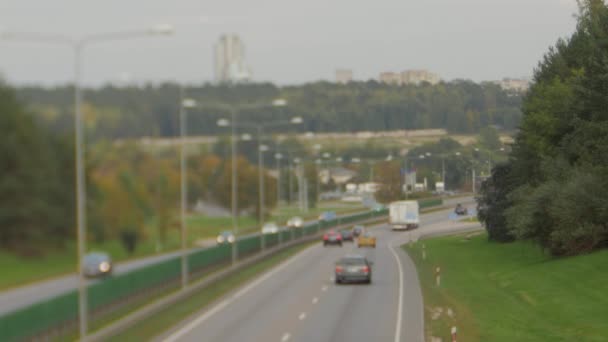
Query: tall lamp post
(78,45)
(261,149)
(185,103)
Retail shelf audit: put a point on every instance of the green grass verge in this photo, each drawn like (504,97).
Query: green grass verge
(511,292)
(163,321)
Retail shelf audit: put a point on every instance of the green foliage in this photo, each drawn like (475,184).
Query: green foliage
(492,203)
(557,182)
(388,175)
(36,195)
(488,138)
(112,112)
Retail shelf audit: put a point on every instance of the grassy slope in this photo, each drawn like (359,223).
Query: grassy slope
(513,292)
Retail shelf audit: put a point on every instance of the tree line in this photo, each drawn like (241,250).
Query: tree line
(553,190)
(128,112)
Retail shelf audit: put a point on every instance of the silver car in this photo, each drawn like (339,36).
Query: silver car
(295,222)
(97,264)
(353,268)
(270,228)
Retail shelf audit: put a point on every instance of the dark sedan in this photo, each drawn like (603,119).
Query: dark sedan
(358,230)
(332,238)
(347,235)
(353,268)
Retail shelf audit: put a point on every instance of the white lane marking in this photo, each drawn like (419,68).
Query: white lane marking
(199,320)
(315,300)
(400,303)
(302,316)
(285,337)
(324,288)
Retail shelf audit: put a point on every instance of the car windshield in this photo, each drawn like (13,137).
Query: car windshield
(352,261)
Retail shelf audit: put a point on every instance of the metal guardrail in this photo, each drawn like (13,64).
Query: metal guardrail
(60,313)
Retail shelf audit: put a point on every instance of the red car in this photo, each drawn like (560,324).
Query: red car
(332,238)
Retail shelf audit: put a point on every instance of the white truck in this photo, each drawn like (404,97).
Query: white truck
(404,215)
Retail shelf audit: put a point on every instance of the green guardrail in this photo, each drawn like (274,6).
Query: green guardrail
(41,317)
(431,202)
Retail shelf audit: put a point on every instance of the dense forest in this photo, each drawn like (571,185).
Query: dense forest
(554,188)
(125,112)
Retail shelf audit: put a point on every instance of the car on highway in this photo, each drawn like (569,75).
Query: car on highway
(461,210)
(347,235)
(366,240)
(295,222)
(353,268)
(97,264)
(327,216)
(358,230)
(332,237)
(270,228)
(225,237)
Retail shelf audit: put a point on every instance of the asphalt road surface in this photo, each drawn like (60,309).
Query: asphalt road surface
(299,301)
(24,296)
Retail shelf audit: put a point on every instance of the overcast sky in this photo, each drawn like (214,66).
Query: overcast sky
(288,41)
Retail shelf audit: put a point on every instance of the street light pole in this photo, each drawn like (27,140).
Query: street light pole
(77,46)
(80,192)
(261,182)
(278,157)
(183,104)
(235,226)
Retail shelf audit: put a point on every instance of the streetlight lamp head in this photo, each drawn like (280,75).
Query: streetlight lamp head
(246,137)
(279,103)
(457,153)
(421,156)
(162,29)
(223,122)
(189,103)
(296,120)
(428,154)
(263,148)
(278,156)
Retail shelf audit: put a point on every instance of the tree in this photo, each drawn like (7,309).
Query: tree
(388,175)
(36,194)
(488,138)
(492,201)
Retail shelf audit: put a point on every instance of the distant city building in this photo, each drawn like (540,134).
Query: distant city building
(418,76)
(230,60)
(520,85)
(409,77)
(344,76)
(391,78)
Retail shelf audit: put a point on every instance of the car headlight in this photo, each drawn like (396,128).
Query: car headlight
(104,267)
(231,238)
(220,239)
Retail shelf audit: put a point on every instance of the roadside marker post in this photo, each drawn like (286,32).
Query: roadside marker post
(438,275)
(453,331)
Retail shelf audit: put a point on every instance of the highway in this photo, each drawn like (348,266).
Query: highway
(24,296)
(298,300)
